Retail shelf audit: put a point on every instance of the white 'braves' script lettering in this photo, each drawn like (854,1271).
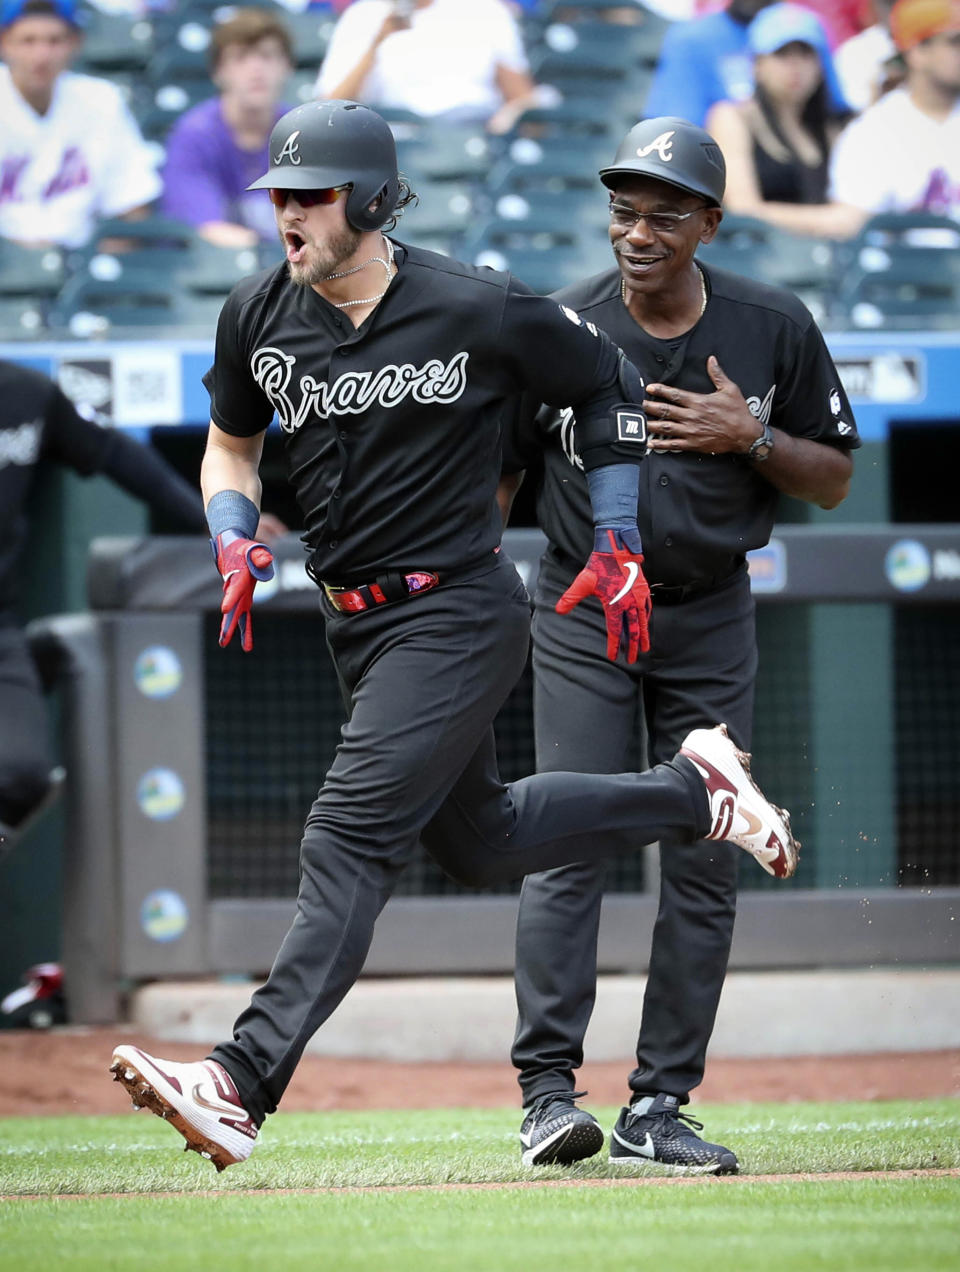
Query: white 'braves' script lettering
(354,391)
(662,145)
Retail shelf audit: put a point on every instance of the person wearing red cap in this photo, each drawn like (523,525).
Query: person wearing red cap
(903,153)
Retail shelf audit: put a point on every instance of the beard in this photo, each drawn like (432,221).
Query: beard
(324,260)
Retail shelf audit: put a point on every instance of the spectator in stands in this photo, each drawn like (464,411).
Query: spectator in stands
(437,58)
(216,149)
(707,60)
(70,150)
(777,142)
(869,64)
(903,153)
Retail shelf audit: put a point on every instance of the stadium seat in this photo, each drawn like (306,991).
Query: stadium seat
(157,107)
(585,153)
(310,32)
(544,256)
(570,119)
(21,318)
(154,242)
(114,42)
(596,55)
(183,59)
(92,307)
(209,270)
(907,289)
(805,265)
(445,211)
(543,269)
(558,172)
(445,152)
(30,271)
(633,24)
(906,229)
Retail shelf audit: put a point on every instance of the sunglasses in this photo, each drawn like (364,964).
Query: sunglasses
(307,198)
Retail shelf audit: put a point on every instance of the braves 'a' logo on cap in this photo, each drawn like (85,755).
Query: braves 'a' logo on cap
(663,145)
(290,149)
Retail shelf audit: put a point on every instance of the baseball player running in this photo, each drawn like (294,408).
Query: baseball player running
(746,405)
(390,369)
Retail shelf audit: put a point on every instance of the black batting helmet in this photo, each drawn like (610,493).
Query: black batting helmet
(336,143)
(672,150)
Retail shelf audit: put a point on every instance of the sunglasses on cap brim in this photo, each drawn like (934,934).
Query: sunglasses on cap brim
(306,198)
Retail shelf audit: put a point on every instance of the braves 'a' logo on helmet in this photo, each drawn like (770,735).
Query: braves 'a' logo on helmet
(663,145)
(290,149)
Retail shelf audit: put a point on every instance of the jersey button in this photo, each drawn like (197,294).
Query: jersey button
(667,543)
(664,481)
(343,352)
(342,435)
(334,543)
(659,359)
(337,493)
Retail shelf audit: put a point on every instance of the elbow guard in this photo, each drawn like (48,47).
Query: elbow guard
(613,432)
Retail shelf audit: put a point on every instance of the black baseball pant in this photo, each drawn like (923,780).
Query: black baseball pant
(25,757)
(423,680)
(700,671)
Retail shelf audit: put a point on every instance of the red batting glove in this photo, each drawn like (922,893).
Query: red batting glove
(614,575)
(243,563)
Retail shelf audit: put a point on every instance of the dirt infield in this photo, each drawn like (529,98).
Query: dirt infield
(65,1071)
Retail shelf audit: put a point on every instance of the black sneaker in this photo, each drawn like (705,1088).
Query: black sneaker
(556,1132)
(663,1136)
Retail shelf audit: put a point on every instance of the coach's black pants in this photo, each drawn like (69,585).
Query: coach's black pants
(423,680)
(700,671)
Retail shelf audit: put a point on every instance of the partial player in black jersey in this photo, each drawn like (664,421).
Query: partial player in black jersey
(746,406)
(391,370)
(39,425)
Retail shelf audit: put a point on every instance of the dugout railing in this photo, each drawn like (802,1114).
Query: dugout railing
(191,769)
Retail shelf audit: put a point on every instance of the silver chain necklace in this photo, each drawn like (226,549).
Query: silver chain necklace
(703,291)
(369,300)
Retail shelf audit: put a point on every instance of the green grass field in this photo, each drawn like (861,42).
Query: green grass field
(387,1208)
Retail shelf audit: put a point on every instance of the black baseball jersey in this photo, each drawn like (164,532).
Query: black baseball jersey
(698,514)
(393,430)
(38,422)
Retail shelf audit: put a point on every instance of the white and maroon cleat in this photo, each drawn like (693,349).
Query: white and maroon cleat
(739,810)
(199,1099)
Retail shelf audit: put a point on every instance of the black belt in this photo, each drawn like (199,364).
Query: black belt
(676,594)
(380,591)
(660,593)
(395,585)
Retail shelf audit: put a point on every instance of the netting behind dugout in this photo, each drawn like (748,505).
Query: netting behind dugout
(273,720)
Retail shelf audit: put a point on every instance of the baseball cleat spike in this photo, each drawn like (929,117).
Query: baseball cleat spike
(199,1100)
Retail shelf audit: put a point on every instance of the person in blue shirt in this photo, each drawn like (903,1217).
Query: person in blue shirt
(706,60)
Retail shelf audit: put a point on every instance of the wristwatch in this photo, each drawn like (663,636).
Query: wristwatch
(761,448)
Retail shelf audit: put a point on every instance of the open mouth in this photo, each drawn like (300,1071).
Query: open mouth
(639,262)
(295,244)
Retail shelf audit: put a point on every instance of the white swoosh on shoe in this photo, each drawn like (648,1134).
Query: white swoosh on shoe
(645,1149)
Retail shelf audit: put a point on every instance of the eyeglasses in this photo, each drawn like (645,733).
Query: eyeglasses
(307,198)
(625,218)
